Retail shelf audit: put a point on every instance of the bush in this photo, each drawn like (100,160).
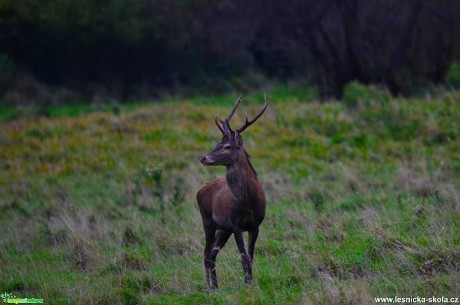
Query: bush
(7,73)
(7,67)
(356,93)
(453,76)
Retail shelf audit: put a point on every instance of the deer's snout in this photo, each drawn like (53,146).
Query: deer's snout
(206,160)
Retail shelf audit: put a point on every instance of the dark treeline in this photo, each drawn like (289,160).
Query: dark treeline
(132,47)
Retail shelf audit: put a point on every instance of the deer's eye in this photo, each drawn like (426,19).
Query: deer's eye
(227,146)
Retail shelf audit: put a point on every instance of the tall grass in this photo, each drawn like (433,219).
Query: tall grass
(363,202)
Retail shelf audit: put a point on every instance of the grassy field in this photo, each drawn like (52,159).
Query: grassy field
(363,201)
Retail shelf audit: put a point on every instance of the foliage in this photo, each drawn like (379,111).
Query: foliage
(129,48)
(362,202)
(160,192)
(356,93)
(7,67)
(453,76)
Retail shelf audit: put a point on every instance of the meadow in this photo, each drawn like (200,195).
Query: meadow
(98,206)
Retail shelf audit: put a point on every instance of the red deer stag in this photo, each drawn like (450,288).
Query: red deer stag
(235,204)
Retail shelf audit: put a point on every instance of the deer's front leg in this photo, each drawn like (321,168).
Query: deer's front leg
(245,260)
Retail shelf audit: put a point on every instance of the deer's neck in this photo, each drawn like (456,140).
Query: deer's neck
(242,179)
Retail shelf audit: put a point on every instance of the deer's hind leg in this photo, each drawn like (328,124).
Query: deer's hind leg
(209,263)
(252,242)
(251,245)
(245,260)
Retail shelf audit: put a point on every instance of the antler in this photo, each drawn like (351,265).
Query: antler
(217,123)
(226,126)
(226,129)
(249,123)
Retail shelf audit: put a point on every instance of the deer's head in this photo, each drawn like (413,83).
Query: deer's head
(230,147)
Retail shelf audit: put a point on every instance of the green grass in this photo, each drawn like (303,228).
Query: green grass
(7,112)
(363,201)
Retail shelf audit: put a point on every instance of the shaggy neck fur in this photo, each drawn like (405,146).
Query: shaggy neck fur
(242,178)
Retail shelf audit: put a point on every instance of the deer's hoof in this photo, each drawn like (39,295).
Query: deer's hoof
(212,289)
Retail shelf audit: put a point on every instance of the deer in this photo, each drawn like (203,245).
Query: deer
(232,205)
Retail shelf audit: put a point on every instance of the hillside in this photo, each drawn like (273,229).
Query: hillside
(363,202)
